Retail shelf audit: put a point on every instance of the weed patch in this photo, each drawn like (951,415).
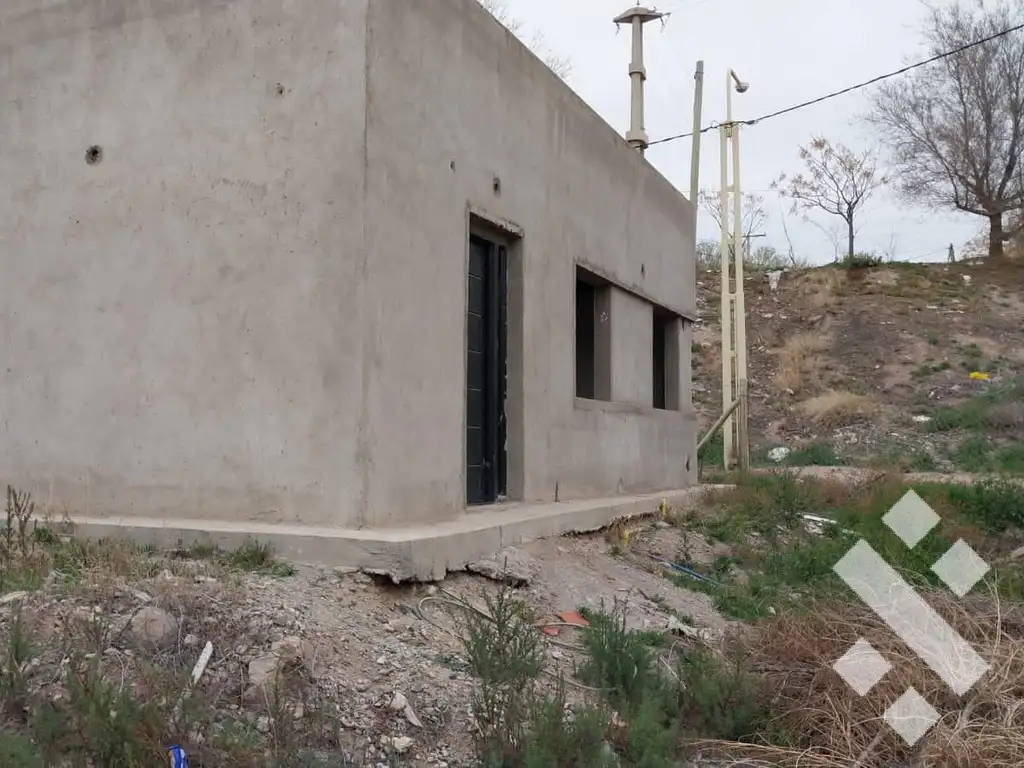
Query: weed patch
(814,455)
(258,557)
(785,561)
(997,411)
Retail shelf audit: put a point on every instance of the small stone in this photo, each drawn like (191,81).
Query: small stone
(191,641)
(1018,554)
(154,627)
(401,744)
(263,724)
(263,670)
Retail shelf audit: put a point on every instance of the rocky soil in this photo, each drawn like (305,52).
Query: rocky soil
(904,337)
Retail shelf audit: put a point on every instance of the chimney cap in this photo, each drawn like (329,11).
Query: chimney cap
(645,15)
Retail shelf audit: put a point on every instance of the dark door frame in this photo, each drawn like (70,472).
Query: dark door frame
(493,481)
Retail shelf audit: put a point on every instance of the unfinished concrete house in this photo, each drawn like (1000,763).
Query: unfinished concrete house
(362,278)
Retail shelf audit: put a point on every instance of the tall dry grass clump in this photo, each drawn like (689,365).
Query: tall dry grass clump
(795,654)
(838,408)
(799,361)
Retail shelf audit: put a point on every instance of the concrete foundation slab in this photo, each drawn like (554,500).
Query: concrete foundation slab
(414,553)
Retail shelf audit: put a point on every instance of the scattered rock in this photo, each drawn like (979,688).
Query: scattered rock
(263,670)
(399,703)
(154,628)
(778,454)
(399,744)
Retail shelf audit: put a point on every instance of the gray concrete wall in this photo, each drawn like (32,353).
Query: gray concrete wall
(486,108)
(253,307)
(181,321)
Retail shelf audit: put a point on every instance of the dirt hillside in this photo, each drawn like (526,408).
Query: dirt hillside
(919,365)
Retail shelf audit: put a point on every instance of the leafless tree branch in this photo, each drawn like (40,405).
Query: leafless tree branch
(499,9)
(838,181)
(956,129)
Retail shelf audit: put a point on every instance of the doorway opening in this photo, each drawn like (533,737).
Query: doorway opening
(486,372)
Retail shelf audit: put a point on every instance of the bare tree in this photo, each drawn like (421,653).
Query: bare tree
(709,255)
(767,257)
(839,181)
(560,65)
(754,212)
(956,127)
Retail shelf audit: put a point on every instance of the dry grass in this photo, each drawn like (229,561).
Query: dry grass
(822,287)
(799,361)
(840,728)
(837,408)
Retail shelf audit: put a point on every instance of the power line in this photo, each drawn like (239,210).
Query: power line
(856,87)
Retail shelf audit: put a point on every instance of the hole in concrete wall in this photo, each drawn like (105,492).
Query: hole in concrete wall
(643,270)
(452,165)
(279,89)
(496,185)
(93,154)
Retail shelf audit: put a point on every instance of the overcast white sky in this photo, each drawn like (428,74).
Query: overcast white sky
(789,51)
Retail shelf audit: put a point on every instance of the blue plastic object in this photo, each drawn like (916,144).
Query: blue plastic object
(688,572)
(176,757)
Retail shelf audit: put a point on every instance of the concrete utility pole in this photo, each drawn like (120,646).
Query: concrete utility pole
(735,435)
(698,99)
(636,17)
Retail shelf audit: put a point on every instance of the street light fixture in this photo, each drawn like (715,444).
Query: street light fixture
(734,326)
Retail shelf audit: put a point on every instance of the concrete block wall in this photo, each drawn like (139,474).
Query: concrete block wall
(234,249)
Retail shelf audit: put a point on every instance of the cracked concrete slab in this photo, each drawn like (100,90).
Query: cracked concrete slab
(413,553)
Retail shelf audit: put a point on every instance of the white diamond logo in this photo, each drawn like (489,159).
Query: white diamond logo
(862,667)
(884,590)
(911,716)
(911,519)
(960,568)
